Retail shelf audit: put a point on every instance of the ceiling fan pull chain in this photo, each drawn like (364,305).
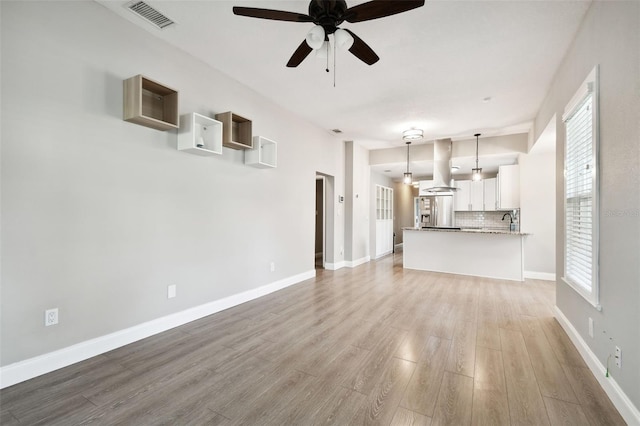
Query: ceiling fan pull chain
(334,62)
(327,69)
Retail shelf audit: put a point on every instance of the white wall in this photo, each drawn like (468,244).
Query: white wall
(538,210)
(100,215)
(609,37)
(357,188)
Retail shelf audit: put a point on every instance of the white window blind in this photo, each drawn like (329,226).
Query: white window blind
(580,254)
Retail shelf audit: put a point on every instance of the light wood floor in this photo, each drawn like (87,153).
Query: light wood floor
(371,345)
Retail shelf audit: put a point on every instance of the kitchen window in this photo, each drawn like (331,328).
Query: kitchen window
(581,191)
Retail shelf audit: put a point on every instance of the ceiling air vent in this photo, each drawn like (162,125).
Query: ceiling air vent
(336,130)
(150,14)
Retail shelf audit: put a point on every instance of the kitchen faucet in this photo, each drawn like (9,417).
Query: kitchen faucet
(512,226)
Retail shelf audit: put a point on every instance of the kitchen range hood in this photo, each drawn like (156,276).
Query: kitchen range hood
(442,149)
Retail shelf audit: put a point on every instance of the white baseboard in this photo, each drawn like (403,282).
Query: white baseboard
(357,262)
(546,276)
(36,366)
(628,411)
(334,266)
(346,263)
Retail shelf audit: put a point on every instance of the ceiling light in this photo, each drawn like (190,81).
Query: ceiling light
(323,51)
(408,177)
(343,39)
(412,134)
(315,37)
(476,174)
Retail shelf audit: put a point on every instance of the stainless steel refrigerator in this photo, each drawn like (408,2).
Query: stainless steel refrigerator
(434,211)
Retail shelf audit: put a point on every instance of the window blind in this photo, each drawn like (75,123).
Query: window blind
(580,162)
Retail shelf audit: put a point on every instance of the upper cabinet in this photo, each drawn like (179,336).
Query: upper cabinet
(490,194)
(151,104)
(236,131)
(461,197)
(509,187)
(475,195)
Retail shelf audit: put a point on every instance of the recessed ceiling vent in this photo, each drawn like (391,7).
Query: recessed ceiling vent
(336,130)
(150,14)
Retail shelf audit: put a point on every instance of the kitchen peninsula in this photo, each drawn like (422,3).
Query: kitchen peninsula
(478,252)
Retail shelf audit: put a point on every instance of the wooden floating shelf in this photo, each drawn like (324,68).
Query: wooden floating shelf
(150,104)
(236,131)
(200,135)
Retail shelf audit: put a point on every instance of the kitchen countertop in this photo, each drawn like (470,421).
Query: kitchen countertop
(469,230)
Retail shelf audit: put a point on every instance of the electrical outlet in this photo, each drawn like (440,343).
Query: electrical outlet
(171,291)
(591,327)
(618,357)
(50,317)
(273,266)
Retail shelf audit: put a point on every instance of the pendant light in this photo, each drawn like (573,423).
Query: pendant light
(476,174)
(408,177)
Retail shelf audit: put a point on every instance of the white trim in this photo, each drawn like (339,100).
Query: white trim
(547,276)
(386,253)
(357,262)
(36,366)
(399,245)
(620,400)
(334,266)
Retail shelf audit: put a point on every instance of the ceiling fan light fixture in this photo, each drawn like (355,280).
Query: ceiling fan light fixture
(343,39)
(323,51)
(412,134)
(315,37)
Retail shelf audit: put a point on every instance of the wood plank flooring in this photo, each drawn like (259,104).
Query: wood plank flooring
(373,345)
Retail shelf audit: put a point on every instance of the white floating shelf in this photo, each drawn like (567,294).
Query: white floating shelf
(200,135)
(263,155)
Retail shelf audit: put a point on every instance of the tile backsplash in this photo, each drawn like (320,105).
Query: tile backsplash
(485,220)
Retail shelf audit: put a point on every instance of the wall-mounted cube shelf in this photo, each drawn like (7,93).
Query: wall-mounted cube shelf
(236,131)
(151,104)
(264,153)
(200,135)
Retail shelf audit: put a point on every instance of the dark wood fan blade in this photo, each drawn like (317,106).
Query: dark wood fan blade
(379,9)
(276,15)
(298,56)
(362,51)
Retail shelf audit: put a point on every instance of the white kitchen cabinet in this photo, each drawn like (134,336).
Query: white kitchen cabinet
(476,196)
(490,192)
(509,187)
(384,220)
(461,196)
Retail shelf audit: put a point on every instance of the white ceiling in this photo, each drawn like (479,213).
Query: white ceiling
(437,63)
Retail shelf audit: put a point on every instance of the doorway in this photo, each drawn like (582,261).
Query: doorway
(320,232)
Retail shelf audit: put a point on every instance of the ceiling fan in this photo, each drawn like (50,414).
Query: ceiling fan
(328,15)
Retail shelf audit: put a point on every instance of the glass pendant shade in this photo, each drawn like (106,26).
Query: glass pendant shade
(476,174)
(323,51)
(315,37)
(408,178)
(343,39)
